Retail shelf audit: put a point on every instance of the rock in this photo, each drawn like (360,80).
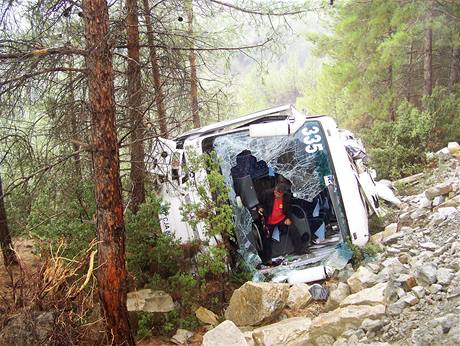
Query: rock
(149,301)
(362,278)
(206,316)
(409,282)
(438,200)
(418,213)
(324,340)
(27,328)
(426,274)
(392,238)
(397,307)
(336,296)
(454,335)
(181,337)
(446,322)
(444,154)
(453,202)
(340,342)
(438,190)
(429,246)
(434,288)
(371,325)
(411,299)
(299,296)
(419,291)
(226,333)
(454,148)
(342,319)
(375,295)
(445,212)
(390,230)
(425,203)
(345,273)
(256,303)
(318,292)
(444,276)
(291,331)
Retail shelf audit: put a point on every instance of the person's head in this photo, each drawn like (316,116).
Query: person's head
(280,190)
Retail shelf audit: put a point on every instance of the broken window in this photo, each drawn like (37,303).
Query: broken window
(301,159)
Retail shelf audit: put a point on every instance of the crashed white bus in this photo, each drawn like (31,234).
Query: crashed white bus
(331,199)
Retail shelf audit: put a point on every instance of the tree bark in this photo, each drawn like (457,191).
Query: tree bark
(159,95)
(192,60)
(391,106)
(428,53)
(9,257)
(134,102)
(454,76)
(109,206)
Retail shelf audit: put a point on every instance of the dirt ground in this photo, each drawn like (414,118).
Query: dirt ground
(29,261)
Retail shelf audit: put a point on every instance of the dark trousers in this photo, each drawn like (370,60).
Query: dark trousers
(266,253)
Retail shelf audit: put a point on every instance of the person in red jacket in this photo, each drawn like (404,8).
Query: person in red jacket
(275,206)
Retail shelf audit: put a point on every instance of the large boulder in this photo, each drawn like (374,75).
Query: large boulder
(206,316)
(336,296)
(299,296)
(362,278)
(336,322)
(257,303)
(291,331)
(375,295)
(438,190)
(225,333)
(425,274)
(149,301)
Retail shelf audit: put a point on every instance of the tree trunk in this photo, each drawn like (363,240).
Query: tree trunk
(192,60)
(134,103)
(109,206)
(159,96)
(428,53)
(391,106)
(454,76)
(9,257)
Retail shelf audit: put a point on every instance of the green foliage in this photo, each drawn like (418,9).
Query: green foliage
(360,254)
(213,209)
(148,249)
(399,148)
(212,261)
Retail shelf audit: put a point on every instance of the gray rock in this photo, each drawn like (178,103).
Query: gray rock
(446,322)
(336,296)
(371,325)
(425,203)
(323,340)
(444,276)
(291,331)
(375,295)
(340,342)
(342,319)
(149,301)
(435,288)
(429,246)
(411,299)
(454,335)
(257,303)
(397,307)
(426,274)
(299,296)
(438,200)
(181,337)
(438,190)
(226,333)
(418,213)
(419,291)
(363,278)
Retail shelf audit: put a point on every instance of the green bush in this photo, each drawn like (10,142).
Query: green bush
(399,148)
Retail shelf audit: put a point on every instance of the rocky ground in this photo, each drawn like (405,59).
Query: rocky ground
(409,294)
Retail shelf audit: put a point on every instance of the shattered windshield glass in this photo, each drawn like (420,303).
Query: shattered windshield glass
(301,158)
(304,165)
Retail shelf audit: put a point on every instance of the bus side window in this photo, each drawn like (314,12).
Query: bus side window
(185,174)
